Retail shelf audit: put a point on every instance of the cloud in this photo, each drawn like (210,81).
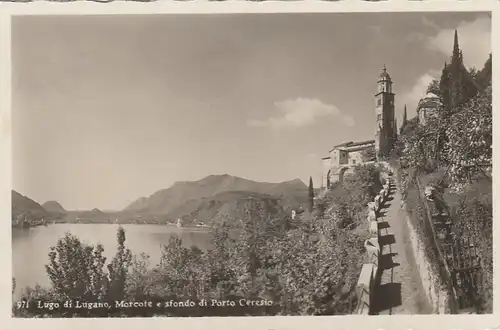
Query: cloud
(429,23)
(421,37)
(348,121)
(474,38)
(413,96)
(299,112)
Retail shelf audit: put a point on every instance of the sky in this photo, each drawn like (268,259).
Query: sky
(106,109)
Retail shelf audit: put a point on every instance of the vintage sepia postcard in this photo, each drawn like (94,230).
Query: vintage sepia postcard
(209,166)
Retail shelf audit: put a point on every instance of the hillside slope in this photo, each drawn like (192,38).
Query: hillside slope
(232,206)
(26,207)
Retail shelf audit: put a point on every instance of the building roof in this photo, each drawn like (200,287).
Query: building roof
(342,144)
(352,144)
(429,101)
(431,95)
(385,75)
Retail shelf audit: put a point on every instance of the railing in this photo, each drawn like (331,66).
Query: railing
(371,270)
(444,270)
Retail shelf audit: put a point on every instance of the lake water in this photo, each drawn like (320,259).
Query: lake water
(30,247)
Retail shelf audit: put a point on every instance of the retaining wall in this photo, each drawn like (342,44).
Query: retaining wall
(370,270)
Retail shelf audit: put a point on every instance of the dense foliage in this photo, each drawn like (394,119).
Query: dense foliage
(468,150)
(306,266)
(461,142)
(453,153)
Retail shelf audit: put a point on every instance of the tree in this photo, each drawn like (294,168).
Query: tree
(483,77)
(311,194)
(118,268)
(434,87)
(220,262)
(405,121)
(457,85)
(76,270)
(445,87)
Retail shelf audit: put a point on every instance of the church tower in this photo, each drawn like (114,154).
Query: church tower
(385,135)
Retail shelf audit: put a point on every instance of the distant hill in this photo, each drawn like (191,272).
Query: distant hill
(53,207)
(230,205)
(87,216)
(186,197)
(95,213)
(24,207)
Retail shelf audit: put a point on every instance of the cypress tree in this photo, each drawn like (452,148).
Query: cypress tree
(456,49)
(483,77)
(463,84)
(311,194)
(395,132)
(405,120)
(457,85)
(445,87)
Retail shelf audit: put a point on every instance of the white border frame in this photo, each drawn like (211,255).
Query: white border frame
(440,322)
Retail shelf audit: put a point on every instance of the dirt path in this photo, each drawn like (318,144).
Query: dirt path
(400,290)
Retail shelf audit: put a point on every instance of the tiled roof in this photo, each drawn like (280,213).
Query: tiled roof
(352,144)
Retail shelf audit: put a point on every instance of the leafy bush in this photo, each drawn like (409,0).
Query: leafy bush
(469,139)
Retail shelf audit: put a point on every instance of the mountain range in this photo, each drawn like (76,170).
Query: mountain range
(166,200)
(217,195)
(206,200)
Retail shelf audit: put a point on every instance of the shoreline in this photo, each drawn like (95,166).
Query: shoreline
(201,228)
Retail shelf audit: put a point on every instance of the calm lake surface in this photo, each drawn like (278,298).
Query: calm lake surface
(30,246)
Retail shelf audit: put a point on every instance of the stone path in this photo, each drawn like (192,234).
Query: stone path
(400,290)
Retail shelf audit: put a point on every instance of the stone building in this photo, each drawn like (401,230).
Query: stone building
(428,107)
(345,156)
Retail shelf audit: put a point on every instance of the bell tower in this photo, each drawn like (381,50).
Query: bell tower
(386,131)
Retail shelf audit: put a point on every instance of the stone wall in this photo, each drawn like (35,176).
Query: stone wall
(370,270)
(355,157)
